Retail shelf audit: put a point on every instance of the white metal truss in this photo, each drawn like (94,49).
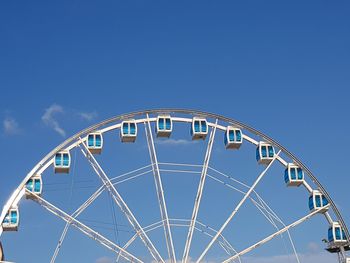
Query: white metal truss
(76,213)
(160,192)
(83,228)
(260,204)
(228,220)
(116,180)
(263,241)
(205,229)
(121,203)
(199,194)
(114,123)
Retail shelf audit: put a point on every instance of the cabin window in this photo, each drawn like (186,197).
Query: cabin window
(91,140)
(161,123)
(318,201)
(300,174)
(58,159)
(231,135)
(337,233)
(168,123)
(132,128)
(196,126)
(65,159)
(37,185)
(292,174)
(330,234)
(30,185)
(238,135)
(204,126)
(13,217)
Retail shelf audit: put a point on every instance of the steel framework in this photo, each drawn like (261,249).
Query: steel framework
(146,117)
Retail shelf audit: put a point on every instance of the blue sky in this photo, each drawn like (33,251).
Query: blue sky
(281,67)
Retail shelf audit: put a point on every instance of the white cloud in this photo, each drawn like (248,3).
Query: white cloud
(104,260)
(88,116)
(174,142)
(321,257)
(189,260)
(49,120)
(11,126)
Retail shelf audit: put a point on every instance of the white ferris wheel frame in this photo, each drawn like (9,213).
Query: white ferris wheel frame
(78,141)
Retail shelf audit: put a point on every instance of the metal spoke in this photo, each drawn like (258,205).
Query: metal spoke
(160,192)
(76,213)
(83,228)
(237,208)
(263,241)
(199,194)
(89,201)
(204,229)
(121,203)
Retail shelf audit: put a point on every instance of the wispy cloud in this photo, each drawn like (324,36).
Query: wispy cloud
(321,257)
(88,116)
(49,120)
(104,260)
(189,260)
(174,142)
(11,126)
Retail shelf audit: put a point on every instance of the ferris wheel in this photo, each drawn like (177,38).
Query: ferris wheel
(177,185)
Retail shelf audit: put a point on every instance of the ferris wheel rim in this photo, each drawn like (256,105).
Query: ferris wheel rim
(109,122)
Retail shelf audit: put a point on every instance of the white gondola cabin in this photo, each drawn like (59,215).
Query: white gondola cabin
(264,153)
(336,235)
(233,138)
(34,185)
(62,162)
(317,201)
(199,128)
(128,131)
(164,126)
(293,175)
(11,220)
(94,142)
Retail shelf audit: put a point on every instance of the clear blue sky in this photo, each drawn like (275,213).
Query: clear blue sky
(282,67)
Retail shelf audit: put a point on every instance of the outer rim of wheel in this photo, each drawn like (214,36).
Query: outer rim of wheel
(236,123)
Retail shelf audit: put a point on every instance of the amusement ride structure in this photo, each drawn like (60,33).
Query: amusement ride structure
(199,240)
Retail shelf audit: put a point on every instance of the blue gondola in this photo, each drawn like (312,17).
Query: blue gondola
(62,162)
(317,201)
(293,175)
(199,128)
(94,142)
(264,153)
(336,235)
(11,220)
(233,138)
(164,126)
(128,131)
(34,185)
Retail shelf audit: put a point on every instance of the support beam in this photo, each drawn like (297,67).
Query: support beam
(121,203)
(76,213)
(237,208)
(89,201)
(160,192)
(83,228)
(263,241)
(199,194)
